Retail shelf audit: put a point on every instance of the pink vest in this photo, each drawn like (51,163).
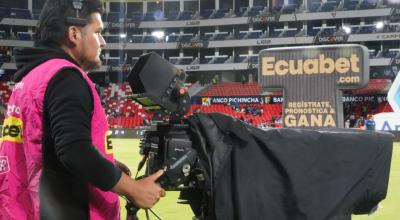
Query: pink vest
(21,148)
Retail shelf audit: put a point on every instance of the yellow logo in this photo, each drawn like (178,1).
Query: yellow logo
(108,143)
(12,130)
(205,101)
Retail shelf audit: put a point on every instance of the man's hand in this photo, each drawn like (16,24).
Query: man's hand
(147,192)
(144,193)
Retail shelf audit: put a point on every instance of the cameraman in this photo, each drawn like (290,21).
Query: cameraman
(57,160)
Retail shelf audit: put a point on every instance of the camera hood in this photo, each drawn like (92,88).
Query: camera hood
(158,84)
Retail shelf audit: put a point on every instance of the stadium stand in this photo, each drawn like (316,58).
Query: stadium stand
(220,46)
(233,89)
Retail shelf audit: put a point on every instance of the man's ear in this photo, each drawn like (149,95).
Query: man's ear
(73,36)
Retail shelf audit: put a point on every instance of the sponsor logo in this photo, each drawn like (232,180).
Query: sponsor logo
(124,68)
(13,109)
(121,25)
(264,41)
(4,166)
(264,19)
(194,44)
(320,65)
(240,100)
(390,127)
(206,101)
(364,98)
(12,130)
(191,68)
(108,143)
(331,39)
(277,100)
(191,23)
(389,36)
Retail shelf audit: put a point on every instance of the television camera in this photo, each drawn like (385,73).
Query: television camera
(167,143)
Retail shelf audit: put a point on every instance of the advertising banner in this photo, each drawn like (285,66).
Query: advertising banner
(331,39)
(232,100)
(312,78)
(263,19)
(192,45)
(122,25)
(387,121)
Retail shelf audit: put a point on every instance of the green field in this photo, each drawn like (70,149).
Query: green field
(126,150)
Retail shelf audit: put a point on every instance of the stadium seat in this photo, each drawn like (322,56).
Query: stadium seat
(36,13)
(327,32)
(329,6)
(289,33)
(3,12)
(186,15)
(172,15)
(136,16)
(20,13)
(314,6)
(350,4)
(3,35)
(276,33)
(368,4)
(367,29)
(185,37)
(255,10)
(24,36)
(115,17)
(205,14)
(220,13)
(287,9)
(185,61)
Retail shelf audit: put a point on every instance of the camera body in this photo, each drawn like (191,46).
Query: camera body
(169,147)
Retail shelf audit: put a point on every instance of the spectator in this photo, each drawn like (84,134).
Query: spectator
(370,123)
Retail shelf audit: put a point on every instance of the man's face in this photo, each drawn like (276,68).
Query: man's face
(91,43)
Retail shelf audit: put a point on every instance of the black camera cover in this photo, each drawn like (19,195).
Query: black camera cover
(286,174)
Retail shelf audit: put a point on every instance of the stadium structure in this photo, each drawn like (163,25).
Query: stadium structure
(217,44)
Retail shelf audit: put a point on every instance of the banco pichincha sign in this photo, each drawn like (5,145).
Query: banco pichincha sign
(313,79)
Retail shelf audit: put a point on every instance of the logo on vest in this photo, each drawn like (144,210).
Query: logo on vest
(12,130)
(108,143)
(4,167)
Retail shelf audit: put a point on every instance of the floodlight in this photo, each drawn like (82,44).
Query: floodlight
(379,25)
(158,34)
(346,29)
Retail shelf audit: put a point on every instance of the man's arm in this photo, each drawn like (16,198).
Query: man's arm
(69,106)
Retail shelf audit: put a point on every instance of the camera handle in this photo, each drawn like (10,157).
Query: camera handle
(131,211)
(181,165)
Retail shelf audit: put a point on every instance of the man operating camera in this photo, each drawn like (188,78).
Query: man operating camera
(55,145)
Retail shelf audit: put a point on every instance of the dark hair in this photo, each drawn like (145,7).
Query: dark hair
(52,26)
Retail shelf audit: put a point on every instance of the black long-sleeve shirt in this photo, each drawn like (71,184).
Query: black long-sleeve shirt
(69,104)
